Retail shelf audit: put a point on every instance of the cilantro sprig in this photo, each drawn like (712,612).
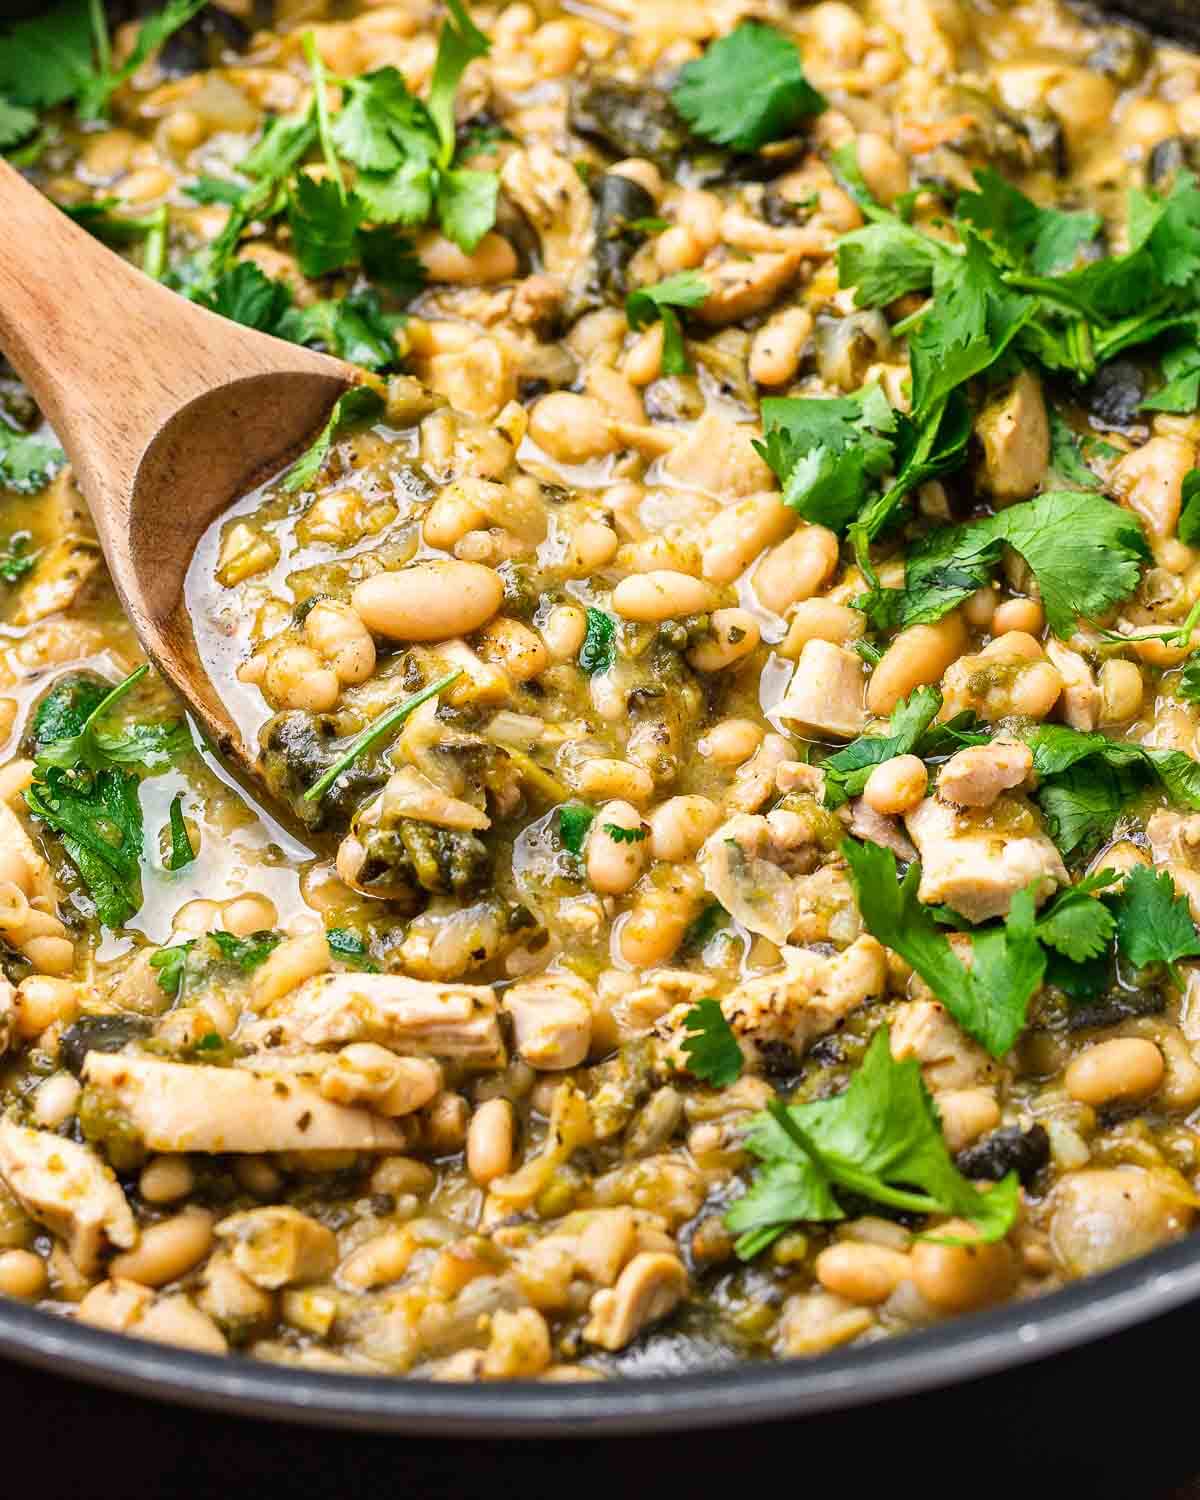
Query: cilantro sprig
(881,1139)
(83,792)
(65,56)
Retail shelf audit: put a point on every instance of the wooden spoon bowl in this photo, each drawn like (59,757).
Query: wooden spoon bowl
(167,412)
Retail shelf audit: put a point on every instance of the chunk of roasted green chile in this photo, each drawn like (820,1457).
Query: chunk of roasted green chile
(100,1034)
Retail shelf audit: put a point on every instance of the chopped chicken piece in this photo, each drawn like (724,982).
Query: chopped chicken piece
(806,999)
(825,695)
(1015,434)
(949,1059)
(550,193)
(279,1246)
(718,456)
(878,828)
(552,1020)
(977,860)
(976,776)
(66,1187)
(411,794)
(413,1016)
(1149,481)
(184,1107)
(1080,701)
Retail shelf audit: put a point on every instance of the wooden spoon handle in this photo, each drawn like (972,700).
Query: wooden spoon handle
(110,355)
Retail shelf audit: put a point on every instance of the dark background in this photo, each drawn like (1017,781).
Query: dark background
(1119,1419)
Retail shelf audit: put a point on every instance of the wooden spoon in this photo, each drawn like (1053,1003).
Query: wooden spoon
(167,412)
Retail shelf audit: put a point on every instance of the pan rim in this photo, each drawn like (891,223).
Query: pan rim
(965,1348)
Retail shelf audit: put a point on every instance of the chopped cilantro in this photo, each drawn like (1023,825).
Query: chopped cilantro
(599,649)
(574,820)
(1154,923)
(246,952)
(748,89)
(712,1050)
(649,304)
(171,964)
(1066,456)
(153,747)
(98,817)
(1045,239)
(27,464)
(350,949)
(1075,924)
(182,854)
(621,835)
(16,559)
(1189,515)
(65,55)
(881,1139)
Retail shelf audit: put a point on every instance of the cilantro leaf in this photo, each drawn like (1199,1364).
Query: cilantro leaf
(354,327)
(1066,457)
(825,452)
(1181,367)
(880,1139)
(1085,552)
(151,746)
(324,224)
(748,89)
(712,1051)
(990,999)
(599,649)
(16,559)
(971,321)
(1154,923)
(171,964)
(46,60)
(98,817)
(65,54)
(649,304)
(16,123)
(182,854)
(621,835)
(360,403)
(885,260)
(574,820)
(1189,515)
(350,949)
(246,295)
(466,205)
(846,771)
(1046,239)
(1075,924)
(27,464)
(246,952)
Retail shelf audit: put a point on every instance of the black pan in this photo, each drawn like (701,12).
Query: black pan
(961,1350)
(964,1349)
